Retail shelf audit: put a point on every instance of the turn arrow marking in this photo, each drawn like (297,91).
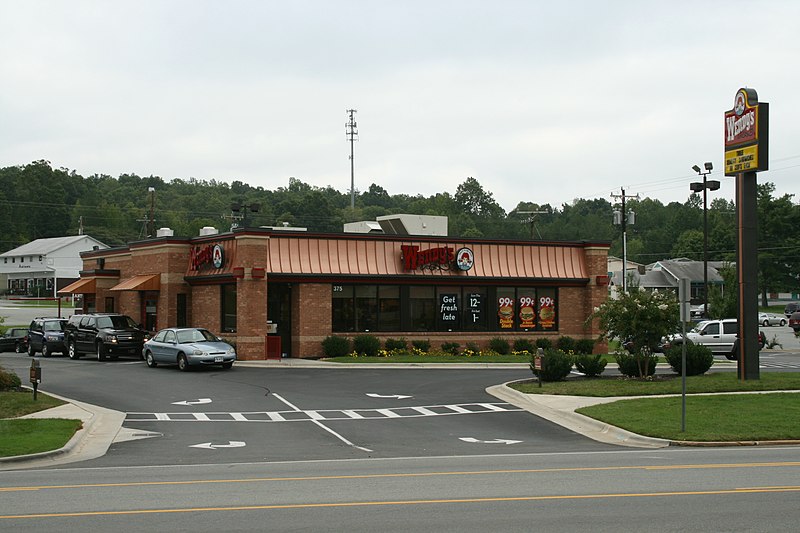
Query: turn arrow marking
(199,401)
(495,441)
(393,396)
(209,446)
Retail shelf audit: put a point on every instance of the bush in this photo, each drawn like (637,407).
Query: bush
(584,346)
(9,380)
(500,346)
(333,346)
(451,347)
(396,345)
(590,365)
(629,364)
(368,345)
(698,359)
(473,347)
(423,346)
(565,344)
(544,343)
(524,345)
(556,365)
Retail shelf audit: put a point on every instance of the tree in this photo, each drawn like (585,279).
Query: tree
(640,319)
(471,197)
(723,299)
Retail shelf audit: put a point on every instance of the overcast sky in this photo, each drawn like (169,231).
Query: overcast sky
(539,101)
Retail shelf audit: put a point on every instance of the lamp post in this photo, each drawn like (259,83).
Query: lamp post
(697,187)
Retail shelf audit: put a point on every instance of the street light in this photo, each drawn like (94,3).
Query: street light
(697,187)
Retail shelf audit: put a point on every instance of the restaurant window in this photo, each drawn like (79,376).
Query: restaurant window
(475,314)
(343,308)
(109,304)
(506,308)
(181,311)
(366,307)
(526,309)
(389,308)
(228,305)
(448,303)
(547,309)
(422,308)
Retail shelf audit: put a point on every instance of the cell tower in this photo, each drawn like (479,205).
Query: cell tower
(352,134)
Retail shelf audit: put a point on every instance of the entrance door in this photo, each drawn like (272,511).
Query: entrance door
(150,310)
(279,311)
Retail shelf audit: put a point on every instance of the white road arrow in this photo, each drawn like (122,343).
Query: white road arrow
(495,441)
(199,401)
(209,446)
(394,396)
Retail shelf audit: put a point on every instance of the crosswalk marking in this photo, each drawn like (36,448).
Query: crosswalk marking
(327,414)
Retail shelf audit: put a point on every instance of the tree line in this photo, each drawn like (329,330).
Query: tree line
(39,201)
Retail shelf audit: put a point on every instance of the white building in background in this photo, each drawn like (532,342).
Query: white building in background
(49,264)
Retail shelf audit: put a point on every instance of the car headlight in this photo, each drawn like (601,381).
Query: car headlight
(231,351)
(111,338)
(198,352)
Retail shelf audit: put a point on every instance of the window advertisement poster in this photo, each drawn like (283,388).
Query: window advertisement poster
(474,308)
(527,313)
(505,312)
(448,310)
(547,312)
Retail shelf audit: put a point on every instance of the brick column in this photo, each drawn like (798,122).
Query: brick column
(251,296)
(596,293)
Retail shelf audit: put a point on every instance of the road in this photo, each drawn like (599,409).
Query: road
(310,449)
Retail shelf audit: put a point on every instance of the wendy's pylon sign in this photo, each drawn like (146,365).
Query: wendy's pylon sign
(746,134)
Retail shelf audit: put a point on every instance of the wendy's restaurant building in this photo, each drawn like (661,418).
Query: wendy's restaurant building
(277,292)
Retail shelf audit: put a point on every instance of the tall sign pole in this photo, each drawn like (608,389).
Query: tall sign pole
(746,153)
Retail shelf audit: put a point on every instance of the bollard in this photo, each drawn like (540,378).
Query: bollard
(36,376)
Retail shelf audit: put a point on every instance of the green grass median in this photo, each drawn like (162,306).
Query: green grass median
(22,436)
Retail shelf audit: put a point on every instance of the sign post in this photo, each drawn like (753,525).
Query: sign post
(746,153)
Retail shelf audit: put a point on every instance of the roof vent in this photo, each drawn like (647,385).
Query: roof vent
(164,232)
(208,230)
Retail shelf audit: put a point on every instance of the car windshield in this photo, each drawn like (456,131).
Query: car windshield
(116,322)
(54,325)
(188,336)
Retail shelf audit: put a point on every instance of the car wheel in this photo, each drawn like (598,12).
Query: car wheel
(783,322)
(72,351)
(765,323)
(31,351)
(101,352)
(183,364)
(226,366)
(730,356)
(46,351)
(148,357)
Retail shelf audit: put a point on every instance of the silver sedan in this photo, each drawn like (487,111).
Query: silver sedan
(771,319)
(187,347)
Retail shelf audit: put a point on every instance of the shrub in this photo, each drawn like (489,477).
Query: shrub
(451,347)
(584,346)
(9,380)
(396,345)
(629,364)
(473,347)
(590,365)
(544,343)
(500,346)
(524,345)
(333,346)
(565,344)
(556,365)
(698,359)
(368,345)
(423,346)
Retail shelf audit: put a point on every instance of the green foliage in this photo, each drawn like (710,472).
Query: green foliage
(544,343)
(584,346)
(722,302)
(334,346)
(635,366)
(590,365)
(451,347)
(422,345)
(9,380)
(473,347)
(565,344)
(500,346)
(524,345)
(556,365)
(368,345)
(396,345)
(698,359)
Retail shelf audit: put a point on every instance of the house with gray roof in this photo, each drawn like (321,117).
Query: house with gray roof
(664,275)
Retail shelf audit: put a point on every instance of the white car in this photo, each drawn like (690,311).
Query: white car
(771,319)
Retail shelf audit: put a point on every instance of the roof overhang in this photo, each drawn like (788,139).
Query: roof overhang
(146,282)
(82,286)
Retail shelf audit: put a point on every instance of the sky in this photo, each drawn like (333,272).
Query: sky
(542,102)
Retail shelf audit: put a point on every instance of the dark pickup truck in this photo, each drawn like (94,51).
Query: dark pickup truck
(105,335)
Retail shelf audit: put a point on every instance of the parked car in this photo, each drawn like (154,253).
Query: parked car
(794,321)
(771,319)
(718,336)
(790,308)
(104,334)
(14,340)
(697,311)
(46,335)
(187,347)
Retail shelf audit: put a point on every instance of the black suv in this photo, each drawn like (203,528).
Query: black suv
(14,340)
(790,308)
(104,334)
(46,335)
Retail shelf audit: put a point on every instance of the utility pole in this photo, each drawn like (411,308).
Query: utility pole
(151,224)
(532,220)
(622,218)
(352,133)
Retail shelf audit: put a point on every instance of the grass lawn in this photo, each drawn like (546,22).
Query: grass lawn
(24,436)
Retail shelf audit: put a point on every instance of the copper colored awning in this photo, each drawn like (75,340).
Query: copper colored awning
(82,286)
(147,282)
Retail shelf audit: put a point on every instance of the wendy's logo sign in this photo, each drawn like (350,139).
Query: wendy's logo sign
(207,254)
(465,259)
(441,258)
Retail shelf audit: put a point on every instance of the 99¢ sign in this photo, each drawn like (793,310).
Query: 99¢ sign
(547,312)
(505,312)
(527,314)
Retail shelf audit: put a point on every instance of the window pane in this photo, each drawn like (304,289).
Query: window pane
(526,308)
(548,309)
(343,308)
(475,314)
(389,307)
(505,308)
(229,308)
(422,308)
(366,307)
(447,312)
